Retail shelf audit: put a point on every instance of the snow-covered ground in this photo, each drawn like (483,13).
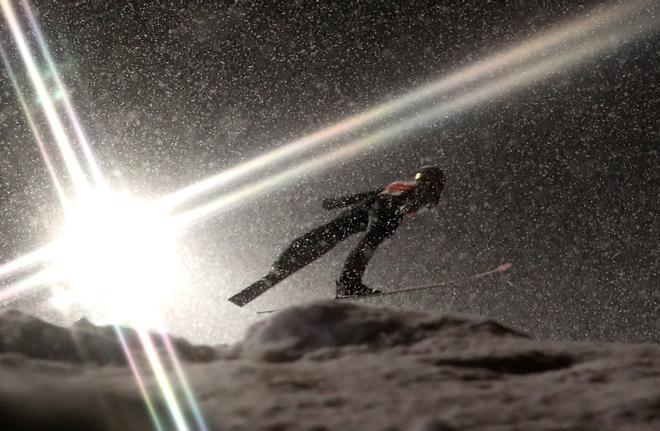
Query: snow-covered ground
(339,366)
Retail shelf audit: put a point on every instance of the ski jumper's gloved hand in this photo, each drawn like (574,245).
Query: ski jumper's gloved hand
(344,201)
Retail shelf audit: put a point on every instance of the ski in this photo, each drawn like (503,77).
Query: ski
(498,270)
(251,292)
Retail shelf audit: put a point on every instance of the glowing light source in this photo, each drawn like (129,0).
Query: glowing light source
(117,257)
(553,51)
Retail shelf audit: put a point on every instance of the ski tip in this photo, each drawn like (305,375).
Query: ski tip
(504,267)
(237,300)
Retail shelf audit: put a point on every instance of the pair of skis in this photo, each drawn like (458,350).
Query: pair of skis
(497,270)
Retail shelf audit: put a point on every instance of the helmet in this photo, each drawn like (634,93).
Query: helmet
(431,175)
(431,180)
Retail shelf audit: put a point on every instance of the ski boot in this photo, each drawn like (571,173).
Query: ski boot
(354,289)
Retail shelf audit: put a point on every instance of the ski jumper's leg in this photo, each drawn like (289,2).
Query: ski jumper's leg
(309,247)
(358,259)
(304,250)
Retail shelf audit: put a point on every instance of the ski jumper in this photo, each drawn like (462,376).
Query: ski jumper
(378,212)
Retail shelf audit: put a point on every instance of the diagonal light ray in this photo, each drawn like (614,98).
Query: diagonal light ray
(183,381)
(77,176)
(388,135)
(163,380)
(555,51)
(33,128)
(41,278)
(560,38)
(603,18)
(151,407)
(71,112)
(75,170)
(28,261)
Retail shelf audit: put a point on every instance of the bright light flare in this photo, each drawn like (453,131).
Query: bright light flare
(118,259)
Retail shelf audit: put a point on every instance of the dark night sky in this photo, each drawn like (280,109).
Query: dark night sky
(561,178)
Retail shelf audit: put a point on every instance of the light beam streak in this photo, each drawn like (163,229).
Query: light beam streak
(600,20)
(377,140)
(34,129)
(40,278)
(562,37)
(28,260)
(79,180)
(75,170)
(151,408)
(183,381)
(61,89)
(537,58)
(163,380)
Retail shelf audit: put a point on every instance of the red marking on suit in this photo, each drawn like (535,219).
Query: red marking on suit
(398,187)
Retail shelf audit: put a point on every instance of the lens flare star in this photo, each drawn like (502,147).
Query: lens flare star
(117,257)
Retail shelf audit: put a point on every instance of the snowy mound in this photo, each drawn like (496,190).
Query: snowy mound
(84,342)
(338,366)
(328,326)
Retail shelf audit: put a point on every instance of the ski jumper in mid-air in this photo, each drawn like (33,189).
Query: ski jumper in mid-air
(379,212)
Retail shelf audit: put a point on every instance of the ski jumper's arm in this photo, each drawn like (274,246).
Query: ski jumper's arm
(344,201)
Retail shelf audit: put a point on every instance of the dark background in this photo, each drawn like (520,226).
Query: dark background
(561,178)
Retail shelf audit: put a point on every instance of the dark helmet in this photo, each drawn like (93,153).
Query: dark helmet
(432,181)
(431,175)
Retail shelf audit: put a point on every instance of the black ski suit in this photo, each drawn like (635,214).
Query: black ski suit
(379,212)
